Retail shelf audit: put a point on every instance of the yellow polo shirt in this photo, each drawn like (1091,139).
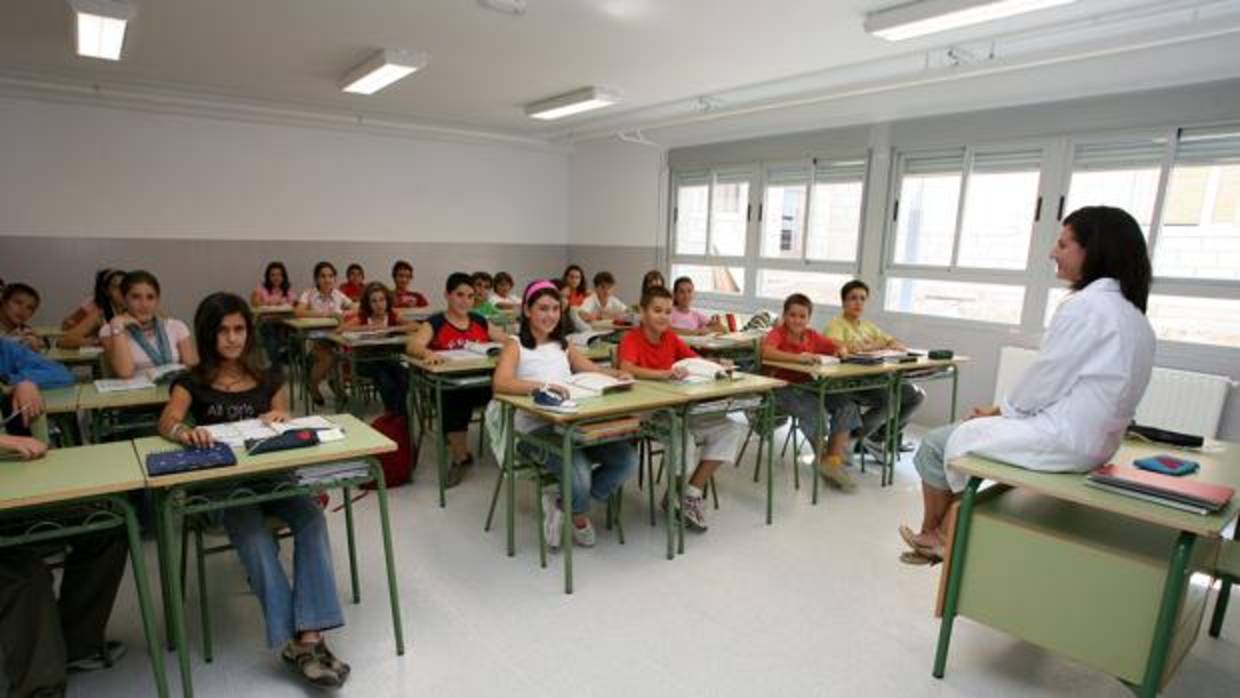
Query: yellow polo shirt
(855,334)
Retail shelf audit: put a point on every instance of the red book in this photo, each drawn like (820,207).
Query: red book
(1184,490)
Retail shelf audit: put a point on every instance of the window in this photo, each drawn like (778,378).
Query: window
(1196,320)
(822,289)
(1200,233)
(984,302)
(1054,298)
(710,279)
(1000,208)
(783,211)
(692,196)
(1123,174)
(835,210)
(926,209)
(711,213)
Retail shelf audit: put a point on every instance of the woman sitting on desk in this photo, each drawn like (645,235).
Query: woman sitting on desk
(228,386)
(1069,411)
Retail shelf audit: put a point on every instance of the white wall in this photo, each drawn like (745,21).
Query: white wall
(75,170)
(616,193)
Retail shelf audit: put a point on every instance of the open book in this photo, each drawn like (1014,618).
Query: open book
(585,339)
(143,379)
(703,371)
(472,351)
(591,384)
(235,434)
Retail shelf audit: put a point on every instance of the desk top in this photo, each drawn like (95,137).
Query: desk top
(74,356)
(743,384)
(61,400)
(845,370)
(311,323)
(66,474)
(359,440)
(48,331)
(1220,464)
(271,310)
(715,342)
(347,339)
(596,352)
(610,324)
(642,397)
(91,399)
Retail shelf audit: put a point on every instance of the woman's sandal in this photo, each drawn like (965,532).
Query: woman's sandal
(912,557)
(931,552)
(312,664)
(341,668)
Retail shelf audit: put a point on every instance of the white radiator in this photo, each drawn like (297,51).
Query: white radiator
(1178,400)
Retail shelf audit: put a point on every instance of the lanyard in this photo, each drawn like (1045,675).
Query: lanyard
(159,357)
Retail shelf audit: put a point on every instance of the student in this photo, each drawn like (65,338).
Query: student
(18,304)
(482,283)
(403,296)
(324,300)
(857,334)
(567,325)
(355,282)
(24,372)
(794,340)
(83,325)
(139,338)
(649,352)
(453,329)
(503,297)
(228,386)
(42,637)
(654,277)
(1069,411)
(375,312)
(275,289)
(684,318)
(600,305)
(538,357)
(575,279)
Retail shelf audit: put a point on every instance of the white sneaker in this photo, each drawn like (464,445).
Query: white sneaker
(695,512)
(552,521)
(584,537)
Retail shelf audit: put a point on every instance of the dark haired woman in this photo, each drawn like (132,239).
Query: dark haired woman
(575,281)
(227,386)
(139,338)
(82,326)
(274,291)
(538,357)
(374,312)
(1069,410)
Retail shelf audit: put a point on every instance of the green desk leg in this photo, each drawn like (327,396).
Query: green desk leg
(892,451)
(352,544)
(1224,595)
(671,456)
(960,542)
(174,607)
(769,435)
(389,559)
(566,506)
(955,384)
(441,439)
(821,423)
(1168,611)
(681,475)
(144,596)
(510,474)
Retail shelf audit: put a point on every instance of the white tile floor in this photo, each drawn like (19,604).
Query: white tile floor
(816,604)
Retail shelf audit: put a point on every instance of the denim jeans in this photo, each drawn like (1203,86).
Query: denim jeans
(842,413)
(875,407)
(616,462)
(311,602)
(392,380)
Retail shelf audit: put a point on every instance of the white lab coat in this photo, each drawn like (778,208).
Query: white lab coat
(1069,411)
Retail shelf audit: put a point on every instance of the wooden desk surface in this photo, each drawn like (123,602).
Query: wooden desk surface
(360,441)
(311,323)
(643,397)
(596,352)
(1220,464)
(744,383)
(91,399)
(843,370)
(716,342)
(87,355)
(62,400)
(272,310)
(48,331)
(347,339)
(66,474)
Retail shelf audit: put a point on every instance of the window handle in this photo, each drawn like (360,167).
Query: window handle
(675,214)
(895,211)
(1059,216)
(759,212)
(748,212)
(1037,210)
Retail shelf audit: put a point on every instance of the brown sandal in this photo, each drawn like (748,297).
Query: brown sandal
(314,667)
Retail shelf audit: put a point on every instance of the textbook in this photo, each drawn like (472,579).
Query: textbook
(703,371)
(606,431)
(236,434)
(1179,492)
(591,384)
(587,339)
(146,378)
(483,348)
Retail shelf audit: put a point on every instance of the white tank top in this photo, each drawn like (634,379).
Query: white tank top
(547,363)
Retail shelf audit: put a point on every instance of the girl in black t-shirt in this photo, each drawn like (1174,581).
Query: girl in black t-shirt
(227,385)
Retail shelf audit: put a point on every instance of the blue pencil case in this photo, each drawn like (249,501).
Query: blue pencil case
(171,462)
(1167,465)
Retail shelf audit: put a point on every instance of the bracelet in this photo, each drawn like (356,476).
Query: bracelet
(177,429)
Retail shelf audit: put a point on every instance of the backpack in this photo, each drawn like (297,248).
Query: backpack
(399,464)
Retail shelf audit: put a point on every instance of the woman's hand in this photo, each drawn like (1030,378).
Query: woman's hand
(807,357)
(992,411)
(198,437)
(433,359)
(26,447)
(559,390)
(621,375)
(274,417)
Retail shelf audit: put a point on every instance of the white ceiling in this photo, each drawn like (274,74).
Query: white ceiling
(661,54)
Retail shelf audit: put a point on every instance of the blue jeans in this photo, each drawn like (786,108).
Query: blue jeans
(842,412)
(616,462)
(311,602)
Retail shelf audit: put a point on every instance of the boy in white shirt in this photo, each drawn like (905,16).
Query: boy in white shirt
(600,305)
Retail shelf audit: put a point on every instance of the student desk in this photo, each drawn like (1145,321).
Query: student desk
(428,385)
(73,491)
(85,356)
(1099,577)
(302,329)
(744,352)
(418,314)
(641,398)
(265,312)
(355,349)
(61,405)
(99,406)
(719,397)
(215,489)
(850,378)
(49,331)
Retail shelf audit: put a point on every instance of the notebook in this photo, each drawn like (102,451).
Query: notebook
(1180,492)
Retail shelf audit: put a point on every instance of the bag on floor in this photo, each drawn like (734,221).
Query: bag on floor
(397,465)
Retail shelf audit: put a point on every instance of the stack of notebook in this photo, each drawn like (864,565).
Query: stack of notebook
(1186,494)
(609,430)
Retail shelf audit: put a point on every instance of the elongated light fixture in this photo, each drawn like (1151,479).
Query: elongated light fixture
(574,102)
(383,69)
(100,27)
(923,17)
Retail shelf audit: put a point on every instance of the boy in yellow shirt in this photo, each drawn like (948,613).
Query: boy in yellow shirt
(857,334)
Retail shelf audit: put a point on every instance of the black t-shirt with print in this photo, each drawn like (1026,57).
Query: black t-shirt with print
(210,406)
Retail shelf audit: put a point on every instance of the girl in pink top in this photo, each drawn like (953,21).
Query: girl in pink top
(275,289)
(686,320)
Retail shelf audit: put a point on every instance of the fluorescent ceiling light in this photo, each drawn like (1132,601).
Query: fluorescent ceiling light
(574,102)
(924,17)
(100,27)
(383,69)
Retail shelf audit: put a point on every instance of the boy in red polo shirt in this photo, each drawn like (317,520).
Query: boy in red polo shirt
(648,352)
(793,340)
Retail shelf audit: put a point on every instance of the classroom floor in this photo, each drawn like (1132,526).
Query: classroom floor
(816,604)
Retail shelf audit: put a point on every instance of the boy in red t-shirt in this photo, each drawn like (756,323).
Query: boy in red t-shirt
(649,352)
(793,340)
